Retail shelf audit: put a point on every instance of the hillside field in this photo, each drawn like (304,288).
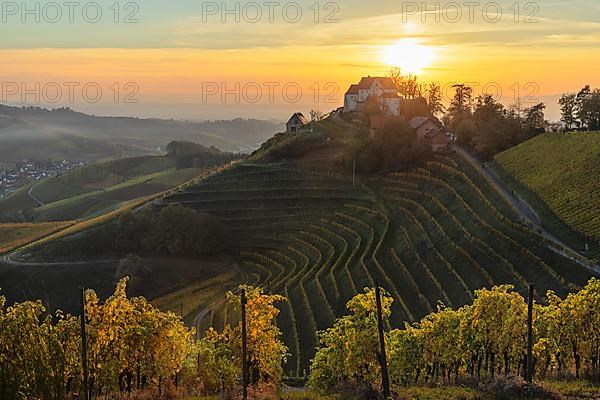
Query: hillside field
(13,236)
(95,189)
(429,235)
(426,236)
(559,174)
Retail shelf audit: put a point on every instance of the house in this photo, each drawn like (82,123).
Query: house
(296,122)
(424,125)
(382,89)
(438,139)
(429,130)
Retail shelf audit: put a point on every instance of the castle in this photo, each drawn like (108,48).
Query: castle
(381,89)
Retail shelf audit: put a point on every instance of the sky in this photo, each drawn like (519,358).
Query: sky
(192,59)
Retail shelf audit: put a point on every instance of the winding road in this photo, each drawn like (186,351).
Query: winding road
(525,211)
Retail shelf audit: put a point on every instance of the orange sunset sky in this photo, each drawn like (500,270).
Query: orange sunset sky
(177,55)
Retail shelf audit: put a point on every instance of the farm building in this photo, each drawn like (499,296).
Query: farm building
(438,139)
(424,125)
(296,122)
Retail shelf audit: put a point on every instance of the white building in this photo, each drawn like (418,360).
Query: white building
(381,88)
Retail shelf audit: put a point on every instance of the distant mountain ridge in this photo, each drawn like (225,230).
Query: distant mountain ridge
(39,134)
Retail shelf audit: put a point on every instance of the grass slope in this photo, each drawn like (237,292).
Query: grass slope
(559,175)
(433,234)
(95,189)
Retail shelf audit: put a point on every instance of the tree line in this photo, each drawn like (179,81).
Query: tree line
(480,122)
(175,230)
(482,341)
(581,110)
(131,346)
(484,124)
(134,346)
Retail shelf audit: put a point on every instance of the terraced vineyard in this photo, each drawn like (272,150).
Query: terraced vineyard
(431,235)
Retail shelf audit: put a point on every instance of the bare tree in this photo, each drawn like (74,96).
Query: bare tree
(316,115)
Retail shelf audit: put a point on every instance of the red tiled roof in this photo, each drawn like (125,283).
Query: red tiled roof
(353,89)
(416,122)
(366,83)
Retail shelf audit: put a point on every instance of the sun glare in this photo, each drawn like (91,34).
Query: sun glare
(409,55)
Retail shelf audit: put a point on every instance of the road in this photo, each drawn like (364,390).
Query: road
(525,211)
(523,208)
(30,193)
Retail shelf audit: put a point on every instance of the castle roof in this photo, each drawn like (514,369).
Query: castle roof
(353,89)
(367,82)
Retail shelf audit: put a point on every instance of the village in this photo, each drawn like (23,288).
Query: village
(15,175)
(378,99)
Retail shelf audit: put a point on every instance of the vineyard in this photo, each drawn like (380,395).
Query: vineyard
(430,235)
(558,174)
(13,236)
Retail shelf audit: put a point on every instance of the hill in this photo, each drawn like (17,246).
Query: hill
(13,236)
(428,235)
(67,134)
(559,174)
(91,190)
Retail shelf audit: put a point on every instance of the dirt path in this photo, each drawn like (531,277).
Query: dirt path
(525,211)
(33,197)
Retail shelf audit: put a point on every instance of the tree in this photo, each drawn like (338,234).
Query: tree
(465,131)
(396,145)
(406,85)
(316,115)
(534,117)
(568,109)
(216,361)
(395,74)
(176,230)
(415,108)
(128,337)
(489,118)
(348,351)
(461,105)
(134,267)
(266,351)
(410,87)
(500,319)
(581,106)
(406,356)
(434,99)
(41,352)
(590,110)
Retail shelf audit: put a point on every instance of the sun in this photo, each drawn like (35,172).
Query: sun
(408,54)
